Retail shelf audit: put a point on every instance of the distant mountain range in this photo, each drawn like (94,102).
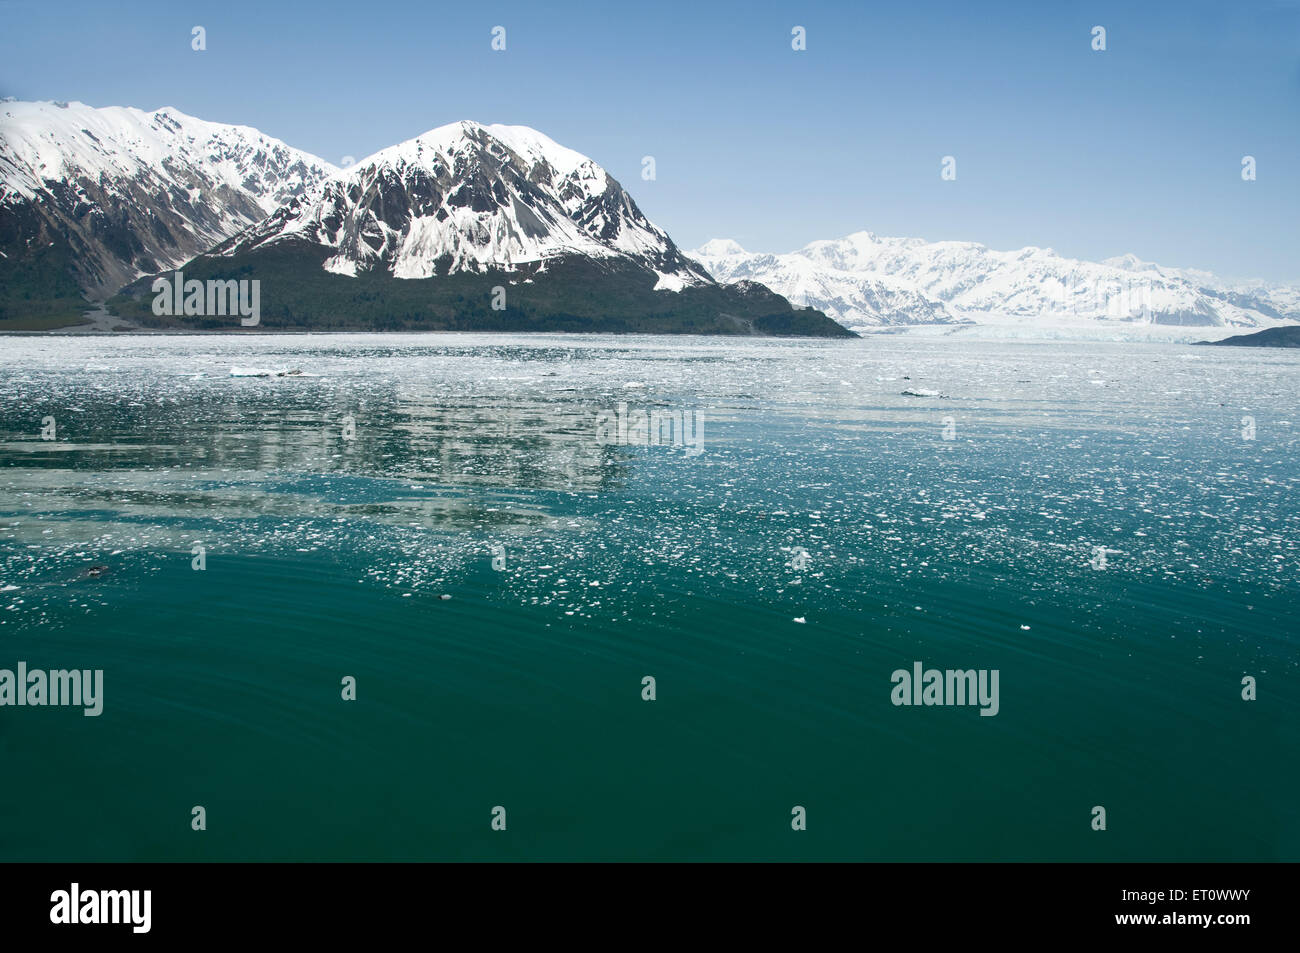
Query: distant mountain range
(865,281)
(467,227)
(478,227)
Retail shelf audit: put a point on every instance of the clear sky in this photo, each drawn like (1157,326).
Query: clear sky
(1134,149)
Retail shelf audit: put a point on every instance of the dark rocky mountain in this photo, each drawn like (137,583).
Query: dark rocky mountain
(1288,336)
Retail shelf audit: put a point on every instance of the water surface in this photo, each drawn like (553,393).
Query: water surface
(339,507)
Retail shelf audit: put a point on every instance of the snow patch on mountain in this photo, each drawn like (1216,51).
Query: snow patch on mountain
(134,192)
(43,142)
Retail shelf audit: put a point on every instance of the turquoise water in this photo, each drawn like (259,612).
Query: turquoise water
(812,489)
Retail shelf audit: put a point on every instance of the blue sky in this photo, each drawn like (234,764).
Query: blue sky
(1135,149)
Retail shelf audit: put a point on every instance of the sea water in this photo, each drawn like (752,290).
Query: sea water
(650,598)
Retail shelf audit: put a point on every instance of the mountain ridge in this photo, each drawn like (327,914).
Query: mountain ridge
(92,198)
(467,196)
(475,226)
(864,281)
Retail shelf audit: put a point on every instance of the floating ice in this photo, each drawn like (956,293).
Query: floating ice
(264,372)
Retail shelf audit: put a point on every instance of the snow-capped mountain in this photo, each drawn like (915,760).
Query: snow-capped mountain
(119,192)
(865,280)
(1281,302)
(472,227)
(852,298)
(468,197)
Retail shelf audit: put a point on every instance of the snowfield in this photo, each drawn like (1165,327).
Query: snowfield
(866,282)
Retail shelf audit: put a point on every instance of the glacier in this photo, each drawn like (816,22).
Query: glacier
(868,282)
